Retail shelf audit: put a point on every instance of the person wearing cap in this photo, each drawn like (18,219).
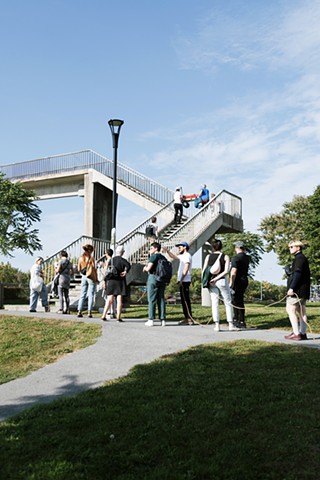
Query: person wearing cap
(88,286)
(219,286)
(298,292)
(184,279)
(116,286)
(177,205)
(155,290)
(37,286)
(239,283)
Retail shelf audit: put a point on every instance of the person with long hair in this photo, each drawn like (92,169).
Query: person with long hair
(219,285)
(88,286)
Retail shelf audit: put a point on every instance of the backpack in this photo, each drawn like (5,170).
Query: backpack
(149,231)
(164,270)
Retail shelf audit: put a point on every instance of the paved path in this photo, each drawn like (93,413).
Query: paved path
(121,346)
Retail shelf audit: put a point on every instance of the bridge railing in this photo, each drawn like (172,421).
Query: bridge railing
(88,159)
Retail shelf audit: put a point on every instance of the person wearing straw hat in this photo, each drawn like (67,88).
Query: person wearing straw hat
(298,292)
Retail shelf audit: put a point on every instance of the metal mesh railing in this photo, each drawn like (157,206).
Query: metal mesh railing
(89,159)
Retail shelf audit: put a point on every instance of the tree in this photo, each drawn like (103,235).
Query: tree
(253,247)
(298,220)
(17,214)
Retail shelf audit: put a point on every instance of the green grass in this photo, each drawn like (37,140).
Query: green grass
(240,410)
(27,344)
(257,315)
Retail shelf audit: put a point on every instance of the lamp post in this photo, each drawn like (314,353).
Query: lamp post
(115,126)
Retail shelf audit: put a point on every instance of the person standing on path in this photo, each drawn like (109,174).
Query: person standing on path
(116,286)
(239,283)
(298,292)
(155,290)
(218,284)
(37,286)
(88,286)
(65,270)
(184,279)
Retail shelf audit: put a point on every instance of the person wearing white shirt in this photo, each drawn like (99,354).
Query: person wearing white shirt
(184,279)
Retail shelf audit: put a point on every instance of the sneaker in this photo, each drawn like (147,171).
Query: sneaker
(149,323)
(33,311)
(79,315)
(60,311)
(233,328)
(163,323)
(217,327)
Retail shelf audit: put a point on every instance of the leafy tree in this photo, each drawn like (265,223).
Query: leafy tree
(265,291)
(298,220)
(17,214)
(9,274)
(253,247)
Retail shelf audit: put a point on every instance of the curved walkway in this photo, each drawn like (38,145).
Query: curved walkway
(121,346)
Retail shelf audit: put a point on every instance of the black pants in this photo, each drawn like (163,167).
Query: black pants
(185,300)
(177,212)
(238,301)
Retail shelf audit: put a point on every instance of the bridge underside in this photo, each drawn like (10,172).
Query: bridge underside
(96,189)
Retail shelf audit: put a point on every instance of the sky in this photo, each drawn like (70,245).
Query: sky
(225,92)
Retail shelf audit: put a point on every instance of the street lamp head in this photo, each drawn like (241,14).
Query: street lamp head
(115,125)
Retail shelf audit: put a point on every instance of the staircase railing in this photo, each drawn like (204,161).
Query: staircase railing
(198,221)
(89,159)
(74,251)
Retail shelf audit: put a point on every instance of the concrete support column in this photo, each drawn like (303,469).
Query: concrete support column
(97,209)
(205,296)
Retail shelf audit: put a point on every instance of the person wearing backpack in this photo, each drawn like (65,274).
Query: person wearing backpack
(184,279)
(219,264)
(155,288)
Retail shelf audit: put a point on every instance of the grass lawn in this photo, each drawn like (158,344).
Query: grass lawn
(240,410)
(27,344)
(257,315)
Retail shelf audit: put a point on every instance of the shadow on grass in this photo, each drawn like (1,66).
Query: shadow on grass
(245,409)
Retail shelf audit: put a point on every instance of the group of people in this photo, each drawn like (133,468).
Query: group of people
(219,285)
(225,278)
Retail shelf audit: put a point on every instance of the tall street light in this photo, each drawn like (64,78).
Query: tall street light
(115,126)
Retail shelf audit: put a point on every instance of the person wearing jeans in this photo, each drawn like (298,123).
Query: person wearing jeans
(155,289)
(88,287)
(37,287)
(219,285)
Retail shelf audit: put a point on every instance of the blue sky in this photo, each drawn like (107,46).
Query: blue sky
(226,92)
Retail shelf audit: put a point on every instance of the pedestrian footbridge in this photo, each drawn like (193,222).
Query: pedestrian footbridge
(90,175)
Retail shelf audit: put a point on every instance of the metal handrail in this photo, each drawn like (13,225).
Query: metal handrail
(89,159)
(135,243)
(74,251)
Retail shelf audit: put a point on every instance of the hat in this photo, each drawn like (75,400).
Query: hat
(182,244)
(119,250)
(239,244)
(296,243)
(88,247)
